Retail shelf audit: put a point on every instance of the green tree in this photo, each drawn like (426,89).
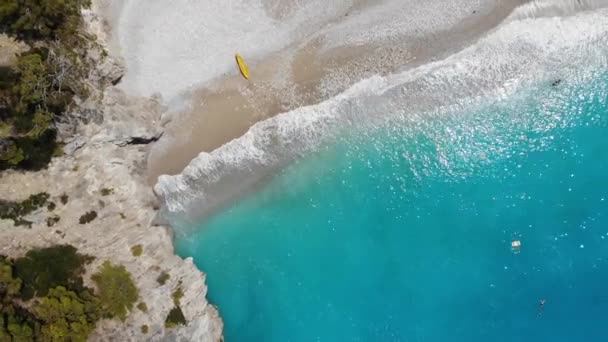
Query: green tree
(13,325)
(35,19)
(33,83)
(43,82)
(9,285)
(4,335)
(61,315)
(10,153)
(18,324)
(41,122)
(117,292)
(46,268)
(20,330)
(38,150)
(66,316)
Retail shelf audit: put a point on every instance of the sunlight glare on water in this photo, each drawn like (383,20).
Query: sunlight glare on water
(404,232)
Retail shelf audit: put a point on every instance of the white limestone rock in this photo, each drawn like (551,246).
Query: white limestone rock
(98,155)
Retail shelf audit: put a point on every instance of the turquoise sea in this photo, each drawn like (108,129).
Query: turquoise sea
(403,232)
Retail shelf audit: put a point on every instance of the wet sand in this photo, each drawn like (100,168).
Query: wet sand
(301,74)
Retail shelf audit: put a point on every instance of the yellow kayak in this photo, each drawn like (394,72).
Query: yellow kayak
(242,66)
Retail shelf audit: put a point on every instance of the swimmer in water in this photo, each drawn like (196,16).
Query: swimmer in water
(541,306)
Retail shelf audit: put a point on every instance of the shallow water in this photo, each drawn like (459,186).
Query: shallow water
(403,232)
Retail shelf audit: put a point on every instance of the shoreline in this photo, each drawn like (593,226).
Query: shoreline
(218,177)
(305,73)
(171,154)
(106,163)
(101,155)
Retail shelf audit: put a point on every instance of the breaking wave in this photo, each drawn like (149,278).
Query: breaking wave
(539,43)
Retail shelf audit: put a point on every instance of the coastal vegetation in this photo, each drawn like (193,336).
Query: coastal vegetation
(39,88)
(162,278)
(177,295)
(106,191)
(175,318)
(87,217)
(51,206)
(42,296)
(117,292)
(15,211)
(18,212)
(52,220)
(137,250)
(44,269)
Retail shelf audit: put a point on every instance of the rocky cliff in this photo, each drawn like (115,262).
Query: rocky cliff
(102,170)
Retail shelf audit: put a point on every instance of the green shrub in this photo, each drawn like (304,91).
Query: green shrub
(177,295)
(144,329)
(20,222)
(51,206)
(15,210)
(60,315)
(37,19)
(46,268)
(67,316)
(106,191)
(5,129)
(10,285)
(175,318)
(33,82)
(64,199)
(42,83)
(19,326)
(58,150)
(117,292)
(137,250)
(142,307)
(32,144)
(51,221)
(88,217)
(10,154)
(162,278)
(37,149)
